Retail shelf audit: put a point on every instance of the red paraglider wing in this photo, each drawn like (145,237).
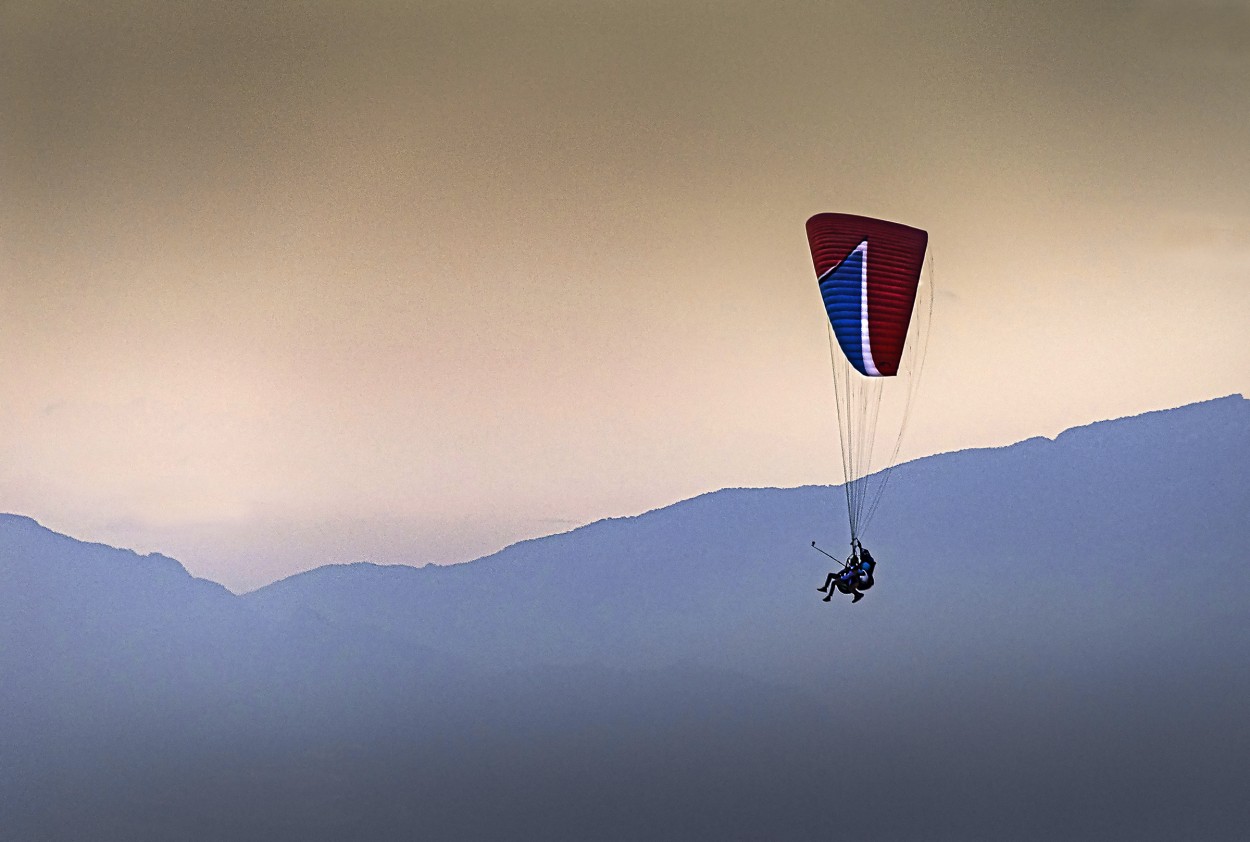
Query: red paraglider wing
(868,270)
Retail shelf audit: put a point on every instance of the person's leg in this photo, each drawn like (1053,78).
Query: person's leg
(831,586)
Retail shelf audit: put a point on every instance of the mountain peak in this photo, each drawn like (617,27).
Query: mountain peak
(20,521)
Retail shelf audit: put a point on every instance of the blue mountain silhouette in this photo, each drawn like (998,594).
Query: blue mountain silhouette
(1056,648)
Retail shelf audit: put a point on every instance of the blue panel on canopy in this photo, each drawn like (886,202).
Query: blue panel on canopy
(842,287)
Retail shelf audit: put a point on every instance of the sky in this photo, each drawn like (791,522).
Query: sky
(284,285)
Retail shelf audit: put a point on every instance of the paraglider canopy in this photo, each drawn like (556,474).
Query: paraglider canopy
(868,270)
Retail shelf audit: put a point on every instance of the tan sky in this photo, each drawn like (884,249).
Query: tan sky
(290,284)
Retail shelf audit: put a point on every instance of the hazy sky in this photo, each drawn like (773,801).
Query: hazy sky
(290,284)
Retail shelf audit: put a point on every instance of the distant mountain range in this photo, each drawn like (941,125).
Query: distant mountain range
(1058,646)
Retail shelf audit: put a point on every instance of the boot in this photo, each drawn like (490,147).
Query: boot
(858,596)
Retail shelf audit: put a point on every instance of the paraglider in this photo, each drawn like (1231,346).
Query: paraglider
(869,274)
(854,577)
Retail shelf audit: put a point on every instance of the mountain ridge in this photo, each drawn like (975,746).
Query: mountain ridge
(1036,661)
(1234,401)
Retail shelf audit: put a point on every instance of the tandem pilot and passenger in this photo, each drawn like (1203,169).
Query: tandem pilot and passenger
(854,578)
